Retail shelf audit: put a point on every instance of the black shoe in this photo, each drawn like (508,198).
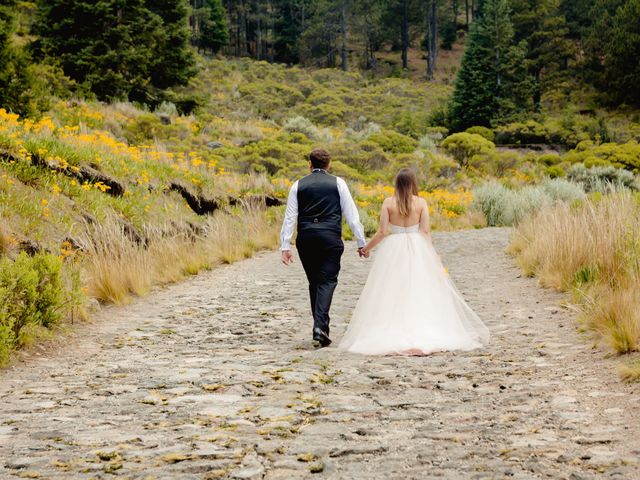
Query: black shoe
(321,338)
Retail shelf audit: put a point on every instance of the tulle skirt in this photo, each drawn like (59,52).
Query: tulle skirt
(410,305)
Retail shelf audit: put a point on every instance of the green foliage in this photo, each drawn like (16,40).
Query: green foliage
(31,295)
(612,42)
(393,142)
(626,155)
(214,29)
(463,146)
(117,52)
(602,179)
(502,206)
(302,125)
(492,84)
(482,131)
(555,171)
(544,29)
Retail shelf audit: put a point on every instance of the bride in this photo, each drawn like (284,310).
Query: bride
(409,305)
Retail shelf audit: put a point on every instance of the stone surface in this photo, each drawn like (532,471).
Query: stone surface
(237,391)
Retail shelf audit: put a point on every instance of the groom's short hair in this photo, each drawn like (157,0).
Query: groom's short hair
(320,158)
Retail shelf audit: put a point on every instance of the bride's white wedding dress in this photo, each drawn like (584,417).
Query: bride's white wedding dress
(409,305)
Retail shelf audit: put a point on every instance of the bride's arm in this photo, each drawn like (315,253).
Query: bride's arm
(382,229)
(425,226)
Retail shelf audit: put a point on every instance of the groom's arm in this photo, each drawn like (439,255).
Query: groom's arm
(289,224)
(350,212)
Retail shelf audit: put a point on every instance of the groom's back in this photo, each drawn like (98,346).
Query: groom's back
(319,203)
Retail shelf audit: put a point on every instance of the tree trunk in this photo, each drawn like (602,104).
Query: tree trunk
(466,11)
(404,33)
(432,37)
(343,31)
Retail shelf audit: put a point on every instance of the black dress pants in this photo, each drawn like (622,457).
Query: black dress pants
(320,254)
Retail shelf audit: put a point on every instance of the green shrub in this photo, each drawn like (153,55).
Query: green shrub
(555,171)
(483,132)
(602,179)
(522,133)
(394,142)
(463,146)
(625,155)
(549,159)
(302,125)
(502,206)
(31,295)
(499,163)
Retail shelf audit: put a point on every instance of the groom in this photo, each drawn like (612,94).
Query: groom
(317,204)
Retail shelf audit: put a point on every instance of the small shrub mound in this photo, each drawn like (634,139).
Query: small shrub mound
(502,206)
(602,179)
(464,146)
(31,298)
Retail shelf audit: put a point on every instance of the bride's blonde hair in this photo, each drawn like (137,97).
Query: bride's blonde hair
(406,188)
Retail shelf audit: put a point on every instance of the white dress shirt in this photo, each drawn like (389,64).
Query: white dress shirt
(349,211)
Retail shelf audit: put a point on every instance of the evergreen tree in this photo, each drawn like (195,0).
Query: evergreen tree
(540,24)
(614,43)
(291,19)
(117,48)
(492,84)
(15,80)
(173,62)
(215,30)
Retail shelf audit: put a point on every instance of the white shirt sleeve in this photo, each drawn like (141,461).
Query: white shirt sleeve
(350,212)
(290,218)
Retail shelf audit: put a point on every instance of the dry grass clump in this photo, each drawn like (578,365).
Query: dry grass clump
(118,267)
(630,372)
(592,250)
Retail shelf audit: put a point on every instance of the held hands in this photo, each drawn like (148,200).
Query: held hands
(363,252)
(287,257)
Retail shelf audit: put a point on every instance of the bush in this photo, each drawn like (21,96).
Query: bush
(300,124)
(602,179)
(549,159)
(522,133)
(463,146)
(394,142)
(626,155)
(483,132)
(555,171)
(31,296)
(502,206)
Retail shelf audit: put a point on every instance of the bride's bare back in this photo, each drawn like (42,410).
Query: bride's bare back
(418,210)
(390,214)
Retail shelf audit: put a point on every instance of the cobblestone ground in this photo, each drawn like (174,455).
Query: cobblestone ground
(216,378)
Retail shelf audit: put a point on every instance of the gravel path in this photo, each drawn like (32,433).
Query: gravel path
(216,378)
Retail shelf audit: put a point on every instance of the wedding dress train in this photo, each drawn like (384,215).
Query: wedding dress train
(409,305)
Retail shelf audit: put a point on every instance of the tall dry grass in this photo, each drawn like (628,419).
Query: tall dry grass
(593,251)
(118,268)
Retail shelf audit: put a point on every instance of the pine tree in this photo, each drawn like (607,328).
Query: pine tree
(619,40)
(215,30)
(15,79)
(173,61)
(117,48)
(492,84)
(544,29)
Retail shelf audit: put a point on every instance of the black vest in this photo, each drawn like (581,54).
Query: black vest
(319,207)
